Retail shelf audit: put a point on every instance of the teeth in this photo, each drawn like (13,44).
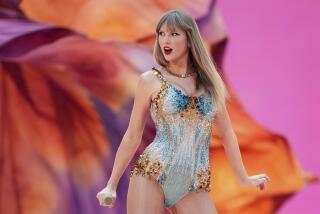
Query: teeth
(167,49)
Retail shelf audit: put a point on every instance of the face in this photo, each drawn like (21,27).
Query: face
(173,44)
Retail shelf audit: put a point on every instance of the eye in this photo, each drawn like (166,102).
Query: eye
(175,34)
(160,33)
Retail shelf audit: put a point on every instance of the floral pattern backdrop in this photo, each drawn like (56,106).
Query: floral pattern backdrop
(68,71)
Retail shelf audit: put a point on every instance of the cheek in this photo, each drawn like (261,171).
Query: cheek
(160,40)
(181,44)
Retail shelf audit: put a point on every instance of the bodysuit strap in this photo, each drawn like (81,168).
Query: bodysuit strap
(159,74)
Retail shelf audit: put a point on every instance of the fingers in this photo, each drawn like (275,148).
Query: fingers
(266,177)
(260,180)
(262,177)
(106,197)
(263,180)
(106,201)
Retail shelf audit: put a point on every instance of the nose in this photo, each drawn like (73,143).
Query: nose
(166,39)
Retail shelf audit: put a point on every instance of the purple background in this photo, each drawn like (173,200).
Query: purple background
(272,61)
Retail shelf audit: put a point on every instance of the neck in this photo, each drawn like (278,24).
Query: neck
(181,66)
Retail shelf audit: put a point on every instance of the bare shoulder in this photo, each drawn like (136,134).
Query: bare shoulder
(150,82)
(149,76)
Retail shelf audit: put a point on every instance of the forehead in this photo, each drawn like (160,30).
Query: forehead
(170,28)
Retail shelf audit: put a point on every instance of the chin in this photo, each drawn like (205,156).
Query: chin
(170,58)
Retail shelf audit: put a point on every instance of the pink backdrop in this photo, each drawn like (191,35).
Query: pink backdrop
(279,41)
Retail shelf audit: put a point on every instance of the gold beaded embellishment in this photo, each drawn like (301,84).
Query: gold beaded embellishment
(203,180)
(191,114)
(145,166)
(162,91)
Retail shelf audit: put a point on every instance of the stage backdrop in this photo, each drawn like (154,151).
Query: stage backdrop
(272,62)
(67,78)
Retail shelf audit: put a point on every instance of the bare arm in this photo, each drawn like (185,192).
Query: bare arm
(231,147)
(132,137)
(230,144)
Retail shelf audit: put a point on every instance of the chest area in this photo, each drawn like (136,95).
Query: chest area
(171,101)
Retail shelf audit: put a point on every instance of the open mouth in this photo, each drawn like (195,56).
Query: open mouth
(167,50)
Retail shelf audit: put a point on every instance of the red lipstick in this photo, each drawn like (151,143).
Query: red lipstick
(167,49)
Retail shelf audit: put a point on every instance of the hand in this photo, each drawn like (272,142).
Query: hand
(107,196)
(259,180)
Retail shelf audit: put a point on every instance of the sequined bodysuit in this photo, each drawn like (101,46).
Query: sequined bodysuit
(178,156)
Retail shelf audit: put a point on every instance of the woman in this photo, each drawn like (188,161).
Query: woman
(185,96)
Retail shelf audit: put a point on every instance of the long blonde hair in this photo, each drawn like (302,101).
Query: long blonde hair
(208,75)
